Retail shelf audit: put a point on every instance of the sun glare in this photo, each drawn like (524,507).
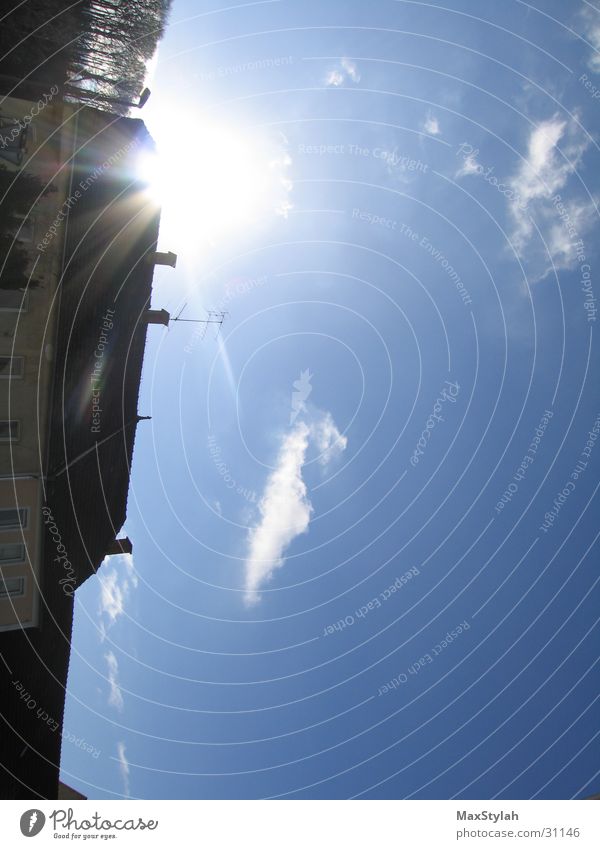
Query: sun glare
(211,181)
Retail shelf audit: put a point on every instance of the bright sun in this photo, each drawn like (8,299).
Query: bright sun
(211,181)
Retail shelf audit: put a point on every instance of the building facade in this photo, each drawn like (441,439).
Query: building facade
(72,341)
(42,146)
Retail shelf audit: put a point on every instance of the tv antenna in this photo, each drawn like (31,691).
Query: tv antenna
(214,317)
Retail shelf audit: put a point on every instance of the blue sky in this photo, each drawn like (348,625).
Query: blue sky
(365,555)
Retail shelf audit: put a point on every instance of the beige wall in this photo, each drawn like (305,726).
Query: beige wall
(22,611)
(30,333)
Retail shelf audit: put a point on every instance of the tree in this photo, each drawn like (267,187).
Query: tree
(117,40)
(98,47)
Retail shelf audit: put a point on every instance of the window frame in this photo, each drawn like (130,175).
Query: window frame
(15,150)
(9,439)
(13,561)
(26,229)
(22,307)
(5,595)
(10,375)
(21,525)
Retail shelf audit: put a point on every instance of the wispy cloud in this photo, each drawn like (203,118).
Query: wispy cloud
(280,164)
(117,576)
(124,768)
(431,125)
(554,152)
(329,441)
(285,509)
(285,512)
(562,235)
(111,595)
(334,77)
(591,31)
(543,171)
(346,70)
(469,166)
(115,696)
(301,393)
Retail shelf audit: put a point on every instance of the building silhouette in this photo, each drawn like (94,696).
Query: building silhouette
(72,344)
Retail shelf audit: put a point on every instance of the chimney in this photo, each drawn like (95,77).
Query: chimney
(157,317)
(156,258)
(120,546)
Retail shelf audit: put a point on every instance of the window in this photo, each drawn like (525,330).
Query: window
(13,138)
(13,300)
(12,519)
(10,587)
(12,552)
(10,430)
(12,367)
(25,230)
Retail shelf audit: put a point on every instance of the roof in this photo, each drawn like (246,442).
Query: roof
(107,280)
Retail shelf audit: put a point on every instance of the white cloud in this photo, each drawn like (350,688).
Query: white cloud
(470,166)
(432,126)
(285,509)
(116,578)
(351,69)
(543,172)
(115,697)
(124,767)
(329,441)
(280,164)
(334,77)
(285,512)
(554,152)
(563,235)
(301,393)
(346,70)
(111,595)
(591,27)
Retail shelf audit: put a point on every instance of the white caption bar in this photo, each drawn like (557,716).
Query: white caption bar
(298,824)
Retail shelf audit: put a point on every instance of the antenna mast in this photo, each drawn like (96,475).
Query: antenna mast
(214,317)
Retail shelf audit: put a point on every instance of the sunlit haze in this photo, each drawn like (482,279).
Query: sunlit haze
(212,180)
